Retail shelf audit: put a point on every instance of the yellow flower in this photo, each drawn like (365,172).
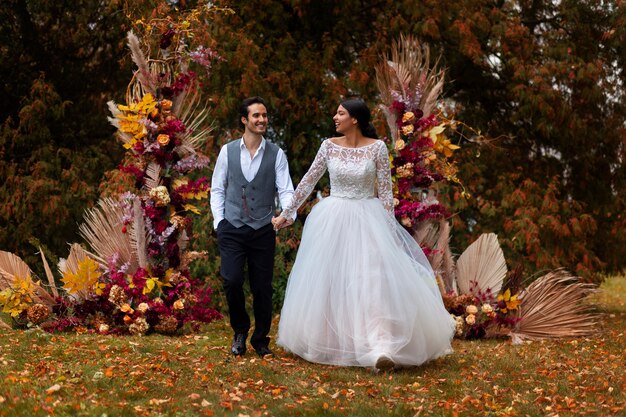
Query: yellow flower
(150,284)
(511,301)
(163,139)
(399,145)
(434,133)
(85,279)
(17,298)
(445,147)
(486,308)
(135,128)
(407,117)
(192,208)
(145,106)
(440,143)
(178,304)
(470,319)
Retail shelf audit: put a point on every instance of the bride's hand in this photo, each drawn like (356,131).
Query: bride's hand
(280,222)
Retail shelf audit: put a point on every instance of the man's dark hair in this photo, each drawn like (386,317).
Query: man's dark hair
(243,109)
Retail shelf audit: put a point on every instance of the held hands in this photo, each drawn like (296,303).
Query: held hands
(280,222)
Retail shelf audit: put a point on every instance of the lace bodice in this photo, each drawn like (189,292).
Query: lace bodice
(354,173)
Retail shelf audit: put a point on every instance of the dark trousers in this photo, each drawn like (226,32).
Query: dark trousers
(256,247)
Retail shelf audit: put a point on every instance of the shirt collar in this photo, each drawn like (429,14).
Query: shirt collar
(242,144)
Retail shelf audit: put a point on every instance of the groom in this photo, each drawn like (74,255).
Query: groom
(248,173)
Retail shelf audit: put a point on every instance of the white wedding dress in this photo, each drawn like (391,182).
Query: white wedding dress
(360,286)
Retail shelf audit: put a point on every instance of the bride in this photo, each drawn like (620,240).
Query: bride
(361,291)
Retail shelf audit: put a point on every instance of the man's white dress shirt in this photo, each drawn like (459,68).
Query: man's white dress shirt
(249,167)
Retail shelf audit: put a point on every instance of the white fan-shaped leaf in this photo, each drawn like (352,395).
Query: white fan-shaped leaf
(481,267)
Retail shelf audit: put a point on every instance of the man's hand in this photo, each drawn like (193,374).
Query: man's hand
(280,222)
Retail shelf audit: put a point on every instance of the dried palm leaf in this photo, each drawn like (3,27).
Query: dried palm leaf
(436,235)
(12,266)
(114,111)
(556,306)
(144,74)
(152,177)
(409,75)
(3,325)
(443,241)
(139,236)
(481,268)
(426,233)
(46,267)
(185,150)
(193,112)
(447,262)
(103,230)
(158,70)
(70,265)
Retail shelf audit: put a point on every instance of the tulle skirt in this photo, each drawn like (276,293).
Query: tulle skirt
(361,288)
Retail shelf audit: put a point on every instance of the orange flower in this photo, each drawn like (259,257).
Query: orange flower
(126,308)
(163,139)
(166,104)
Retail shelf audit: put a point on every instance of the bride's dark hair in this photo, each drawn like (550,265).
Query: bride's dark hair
(359,110)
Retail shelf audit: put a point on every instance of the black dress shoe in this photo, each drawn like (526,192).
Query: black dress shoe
(263,351)
(238,348)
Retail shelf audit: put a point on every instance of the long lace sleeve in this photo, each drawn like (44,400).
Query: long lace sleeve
(313,175)
(383,178)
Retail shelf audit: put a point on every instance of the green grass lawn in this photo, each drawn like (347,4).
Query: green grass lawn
(194,375)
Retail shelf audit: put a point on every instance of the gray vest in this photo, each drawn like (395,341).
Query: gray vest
(251,203)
